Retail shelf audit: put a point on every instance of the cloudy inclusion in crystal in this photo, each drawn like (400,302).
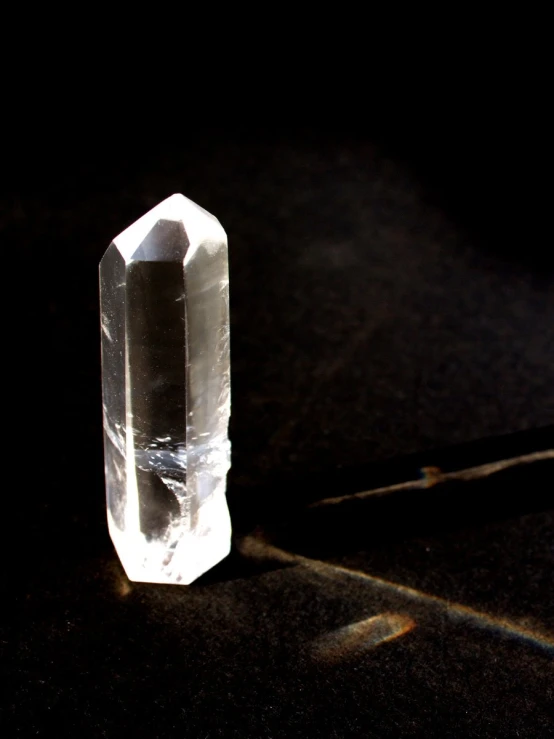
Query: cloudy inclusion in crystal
(166,392)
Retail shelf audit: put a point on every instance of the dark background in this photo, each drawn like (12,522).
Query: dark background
(392,306)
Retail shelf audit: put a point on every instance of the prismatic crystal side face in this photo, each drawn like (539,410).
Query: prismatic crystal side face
(166,392)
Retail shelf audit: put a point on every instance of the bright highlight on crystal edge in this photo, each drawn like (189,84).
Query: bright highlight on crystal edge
(164,295)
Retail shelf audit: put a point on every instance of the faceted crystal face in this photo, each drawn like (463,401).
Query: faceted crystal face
(166,392)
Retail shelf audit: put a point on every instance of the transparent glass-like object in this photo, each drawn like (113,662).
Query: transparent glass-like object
(166,392)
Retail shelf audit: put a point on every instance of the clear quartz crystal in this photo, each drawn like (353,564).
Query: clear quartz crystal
(166,392)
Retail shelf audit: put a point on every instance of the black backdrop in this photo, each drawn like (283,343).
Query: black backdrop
(392,307)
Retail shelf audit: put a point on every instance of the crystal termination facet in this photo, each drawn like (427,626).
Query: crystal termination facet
(166,392)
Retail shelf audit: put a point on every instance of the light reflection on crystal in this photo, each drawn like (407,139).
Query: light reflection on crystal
(166,376)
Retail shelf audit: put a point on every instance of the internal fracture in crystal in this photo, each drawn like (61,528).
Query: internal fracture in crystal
(166,392)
